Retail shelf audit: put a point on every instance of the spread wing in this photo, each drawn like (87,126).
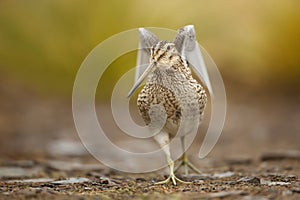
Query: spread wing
(188,47)
(143,68)
(147,40)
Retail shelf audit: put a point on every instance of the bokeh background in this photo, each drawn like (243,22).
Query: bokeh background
(255,44)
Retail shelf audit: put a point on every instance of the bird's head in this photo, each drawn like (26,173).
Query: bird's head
(162,53)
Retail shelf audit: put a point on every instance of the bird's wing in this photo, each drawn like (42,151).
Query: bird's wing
(147,40)
(143,68)
(189,48)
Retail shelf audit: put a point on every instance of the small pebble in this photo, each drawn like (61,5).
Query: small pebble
(71,181)
(252,180)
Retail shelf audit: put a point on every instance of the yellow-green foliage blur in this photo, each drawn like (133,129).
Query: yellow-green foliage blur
(43,43)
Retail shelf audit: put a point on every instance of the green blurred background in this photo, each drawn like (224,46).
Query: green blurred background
(43,43)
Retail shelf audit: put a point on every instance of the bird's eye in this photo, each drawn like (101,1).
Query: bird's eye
(168,47)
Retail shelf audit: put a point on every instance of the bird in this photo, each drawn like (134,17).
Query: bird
(171,85)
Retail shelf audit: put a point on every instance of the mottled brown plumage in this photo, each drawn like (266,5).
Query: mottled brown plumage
(156,91)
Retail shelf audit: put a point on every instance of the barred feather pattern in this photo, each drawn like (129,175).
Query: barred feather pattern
(171,85)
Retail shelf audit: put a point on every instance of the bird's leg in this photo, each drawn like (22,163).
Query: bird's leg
(163,140)
(185,162)
(172,176)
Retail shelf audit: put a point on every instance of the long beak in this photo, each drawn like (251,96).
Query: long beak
(142,78)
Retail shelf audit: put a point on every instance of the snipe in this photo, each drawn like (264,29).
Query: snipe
(170,84)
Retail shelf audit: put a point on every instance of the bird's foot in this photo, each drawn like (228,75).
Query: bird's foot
(172,178)
(187,165)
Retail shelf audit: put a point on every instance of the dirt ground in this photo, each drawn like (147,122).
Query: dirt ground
(257,156)
(272,177)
